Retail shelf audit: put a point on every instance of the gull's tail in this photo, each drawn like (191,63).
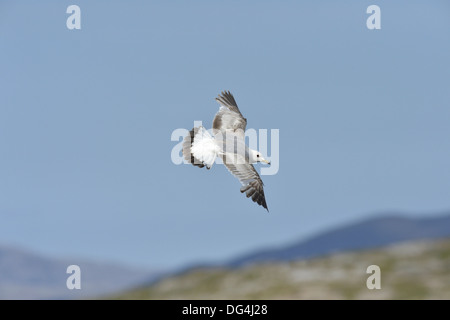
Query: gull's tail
(200,148)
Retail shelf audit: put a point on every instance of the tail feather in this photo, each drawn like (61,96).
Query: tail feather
(187,149)
(199,148)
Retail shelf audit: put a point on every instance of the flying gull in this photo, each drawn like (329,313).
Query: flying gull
(227,141)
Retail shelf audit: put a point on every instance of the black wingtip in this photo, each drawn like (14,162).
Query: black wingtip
(226,97)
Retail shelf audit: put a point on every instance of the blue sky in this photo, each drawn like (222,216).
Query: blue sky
(86,118)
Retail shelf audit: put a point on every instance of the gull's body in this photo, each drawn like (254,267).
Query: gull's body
(227,142)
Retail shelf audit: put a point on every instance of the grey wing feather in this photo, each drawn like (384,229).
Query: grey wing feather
(251,182)
(228,117)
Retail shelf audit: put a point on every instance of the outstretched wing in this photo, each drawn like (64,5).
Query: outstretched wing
(251,182)
(229,117)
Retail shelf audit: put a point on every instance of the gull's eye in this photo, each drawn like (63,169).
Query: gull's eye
(257,155)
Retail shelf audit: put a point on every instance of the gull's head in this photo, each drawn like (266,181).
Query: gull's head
(257,157)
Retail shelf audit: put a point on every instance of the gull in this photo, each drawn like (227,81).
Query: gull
(227,141)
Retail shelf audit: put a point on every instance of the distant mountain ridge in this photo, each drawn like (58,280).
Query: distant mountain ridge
(413,270)
(366,234)
(370,233)
(330,265)
(26,275)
